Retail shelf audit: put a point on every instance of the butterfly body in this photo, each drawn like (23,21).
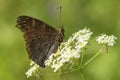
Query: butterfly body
(41,39)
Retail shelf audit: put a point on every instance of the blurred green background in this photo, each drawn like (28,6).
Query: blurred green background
(101,16)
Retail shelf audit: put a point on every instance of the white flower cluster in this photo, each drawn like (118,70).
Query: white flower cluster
(106,40)
(32,70)
(69,51)
(68,54)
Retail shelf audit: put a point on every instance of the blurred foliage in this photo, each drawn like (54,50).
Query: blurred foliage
(101,16)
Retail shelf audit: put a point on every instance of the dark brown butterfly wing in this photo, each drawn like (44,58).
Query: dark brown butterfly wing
(41,39)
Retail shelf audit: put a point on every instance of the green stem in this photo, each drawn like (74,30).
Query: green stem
(82,74)
(82,57)
(93,57)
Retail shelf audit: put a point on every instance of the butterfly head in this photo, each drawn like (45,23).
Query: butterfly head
(61,33)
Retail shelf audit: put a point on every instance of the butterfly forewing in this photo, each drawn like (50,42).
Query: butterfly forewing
(41,39)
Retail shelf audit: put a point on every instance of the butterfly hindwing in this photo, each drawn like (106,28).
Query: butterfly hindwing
(41,39)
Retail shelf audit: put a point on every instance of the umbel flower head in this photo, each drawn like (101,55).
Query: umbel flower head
(68,53)
(106,40)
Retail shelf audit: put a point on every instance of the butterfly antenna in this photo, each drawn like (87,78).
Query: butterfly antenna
(59,16)
(59,8)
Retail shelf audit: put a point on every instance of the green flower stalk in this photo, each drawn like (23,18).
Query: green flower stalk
(106,41)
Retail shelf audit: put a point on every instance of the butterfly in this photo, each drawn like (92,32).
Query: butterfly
(41,39)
